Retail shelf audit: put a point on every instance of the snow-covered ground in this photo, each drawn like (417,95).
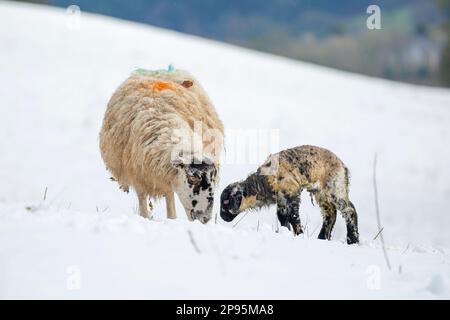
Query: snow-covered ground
(86,241)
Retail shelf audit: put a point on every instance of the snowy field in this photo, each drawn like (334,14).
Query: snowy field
(85,239)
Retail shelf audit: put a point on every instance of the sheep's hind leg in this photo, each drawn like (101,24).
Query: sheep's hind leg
(170,206)
(329,219)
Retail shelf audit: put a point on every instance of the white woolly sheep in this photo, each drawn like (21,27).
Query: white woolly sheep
(161,134)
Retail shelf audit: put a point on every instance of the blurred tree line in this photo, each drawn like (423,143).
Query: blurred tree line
(445,55)
(412,46)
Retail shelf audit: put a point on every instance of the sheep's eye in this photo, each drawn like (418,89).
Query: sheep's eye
(194,179)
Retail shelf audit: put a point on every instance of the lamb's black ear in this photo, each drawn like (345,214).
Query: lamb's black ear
(238,198)
(237,194)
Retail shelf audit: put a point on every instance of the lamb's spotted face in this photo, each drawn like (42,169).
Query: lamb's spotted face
(196,185)
(252,193)
(231,201)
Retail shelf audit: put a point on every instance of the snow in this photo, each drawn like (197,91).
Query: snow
(86,240)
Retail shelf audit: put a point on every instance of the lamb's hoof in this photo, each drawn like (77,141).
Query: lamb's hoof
(297,230)
(352,239)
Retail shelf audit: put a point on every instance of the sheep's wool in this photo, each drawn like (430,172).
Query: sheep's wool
(152,117)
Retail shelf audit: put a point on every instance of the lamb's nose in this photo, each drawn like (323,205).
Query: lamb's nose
(226,216)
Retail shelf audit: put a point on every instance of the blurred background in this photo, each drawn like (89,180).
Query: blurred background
(58,207)
(412,45)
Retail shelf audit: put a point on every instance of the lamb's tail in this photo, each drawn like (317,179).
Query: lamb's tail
(347,176)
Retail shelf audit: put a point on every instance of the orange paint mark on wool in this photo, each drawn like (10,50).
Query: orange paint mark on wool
(161,85)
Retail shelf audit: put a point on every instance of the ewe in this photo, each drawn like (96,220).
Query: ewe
(161,135)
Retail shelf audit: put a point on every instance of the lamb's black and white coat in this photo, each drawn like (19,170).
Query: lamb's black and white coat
(282,178)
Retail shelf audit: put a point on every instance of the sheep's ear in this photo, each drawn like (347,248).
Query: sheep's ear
(179,160)
(208,159)
(187,83)
(196,160)
(178,163)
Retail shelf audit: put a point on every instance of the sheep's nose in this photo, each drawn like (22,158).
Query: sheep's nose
(201,216)
(204,219)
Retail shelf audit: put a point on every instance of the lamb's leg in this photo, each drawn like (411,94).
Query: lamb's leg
(348,211)
(287,212)
(143,205)
(329,219)
(170,206)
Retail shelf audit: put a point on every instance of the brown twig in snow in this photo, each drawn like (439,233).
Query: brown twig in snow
(257,227)
(245,214)
(377,211)
(379,232)
(193,242)
(45,193)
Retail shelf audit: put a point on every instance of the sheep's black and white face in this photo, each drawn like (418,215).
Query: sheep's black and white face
(230,201)
(195,188)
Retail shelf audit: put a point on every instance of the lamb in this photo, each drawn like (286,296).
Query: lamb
(281,179)
(162,135)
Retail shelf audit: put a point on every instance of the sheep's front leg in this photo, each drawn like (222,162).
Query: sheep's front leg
(287,212)
(170,206)
(143,205)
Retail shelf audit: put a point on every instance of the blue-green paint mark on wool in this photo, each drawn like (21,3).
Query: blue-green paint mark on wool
(146,72)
